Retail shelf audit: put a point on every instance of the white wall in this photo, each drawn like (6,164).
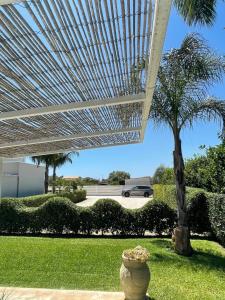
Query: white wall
(9,187)
(21,179)
(31,180)
(103,190)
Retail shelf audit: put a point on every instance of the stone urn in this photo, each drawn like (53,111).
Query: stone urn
(135,274)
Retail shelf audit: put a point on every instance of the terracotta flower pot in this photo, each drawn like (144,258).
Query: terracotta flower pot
(134,278)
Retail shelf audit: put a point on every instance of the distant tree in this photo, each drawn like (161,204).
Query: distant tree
(118,177)
(57,161)
(89,181)
(196,173)
(163,175)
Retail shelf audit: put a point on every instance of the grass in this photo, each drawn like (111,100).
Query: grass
(94,264)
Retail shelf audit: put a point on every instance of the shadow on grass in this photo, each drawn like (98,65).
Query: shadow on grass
(200,259)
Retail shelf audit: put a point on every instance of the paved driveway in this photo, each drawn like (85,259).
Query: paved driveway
(131,202)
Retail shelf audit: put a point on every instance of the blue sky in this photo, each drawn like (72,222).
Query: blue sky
(143,159)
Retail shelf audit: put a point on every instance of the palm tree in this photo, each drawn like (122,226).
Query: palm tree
(59,160)
(47,161)
(179,99)
(194,12)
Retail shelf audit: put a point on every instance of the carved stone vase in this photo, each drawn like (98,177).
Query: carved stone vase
(134,278)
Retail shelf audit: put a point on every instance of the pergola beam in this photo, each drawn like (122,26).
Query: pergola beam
(67,137)
(161,18)
(6,2)
(74,106)
(73,149)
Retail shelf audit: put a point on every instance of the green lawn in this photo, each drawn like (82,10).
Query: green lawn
(94,264)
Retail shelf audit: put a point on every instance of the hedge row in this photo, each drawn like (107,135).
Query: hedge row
(206,211)
(37,200)
(60,215)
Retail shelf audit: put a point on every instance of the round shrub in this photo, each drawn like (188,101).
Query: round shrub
(12,218)
(58,214)
(86,220)
(108,216)
(75,196)
(157,217)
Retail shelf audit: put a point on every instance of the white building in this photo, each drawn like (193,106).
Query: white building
(139,181)
(21,179)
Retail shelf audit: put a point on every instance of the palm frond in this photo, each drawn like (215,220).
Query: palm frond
(207,110)
(182,84)
(194,12)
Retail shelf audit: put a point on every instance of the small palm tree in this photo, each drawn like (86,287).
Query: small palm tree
(179,99)
(197,11)
(47,161)
(59,160)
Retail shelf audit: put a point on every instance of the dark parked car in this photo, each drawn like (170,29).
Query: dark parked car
(139,190)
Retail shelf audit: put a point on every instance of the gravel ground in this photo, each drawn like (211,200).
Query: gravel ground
(131,202)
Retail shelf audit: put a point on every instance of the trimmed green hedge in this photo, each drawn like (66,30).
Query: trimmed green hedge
(216,204)
(75,196)
(60,215)
(37,200)
(206,211)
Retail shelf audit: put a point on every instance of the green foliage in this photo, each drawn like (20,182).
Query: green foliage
(37,200)
(108,216)
(165,193)
(156,216)
(216,205)
(59,215)
(118,177)
(163,175)
(89,181)
(206,211)
(76,196)
(198,212)
(207,171)
(195,12)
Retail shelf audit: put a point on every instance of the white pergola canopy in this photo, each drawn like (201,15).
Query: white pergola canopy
(77,74)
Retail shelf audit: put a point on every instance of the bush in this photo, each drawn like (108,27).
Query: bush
(157,217)
(75,196)
(59,214)
(216,203)
(108,216)
(206,211)
(165,193)
(11,219)
(198,213)
(86,220)
(37,200)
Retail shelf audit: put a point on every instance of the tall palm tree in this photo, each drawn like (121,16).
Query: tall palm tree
(179,99)
(194,12)
(59,160)
(47,161)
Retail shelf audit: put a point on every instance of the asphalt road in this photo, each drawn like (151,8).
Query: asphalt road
(131,202)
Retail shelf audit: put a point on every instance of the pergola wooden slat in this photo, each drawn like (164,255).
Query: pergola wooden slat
(77,74)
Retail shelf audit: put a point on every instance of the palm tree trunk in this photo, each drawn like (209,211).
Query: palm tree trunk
(46,177)
(54,179)
(181,235)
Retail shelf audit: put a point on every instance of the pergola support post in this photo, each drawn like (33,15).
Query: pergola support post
(1,176)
